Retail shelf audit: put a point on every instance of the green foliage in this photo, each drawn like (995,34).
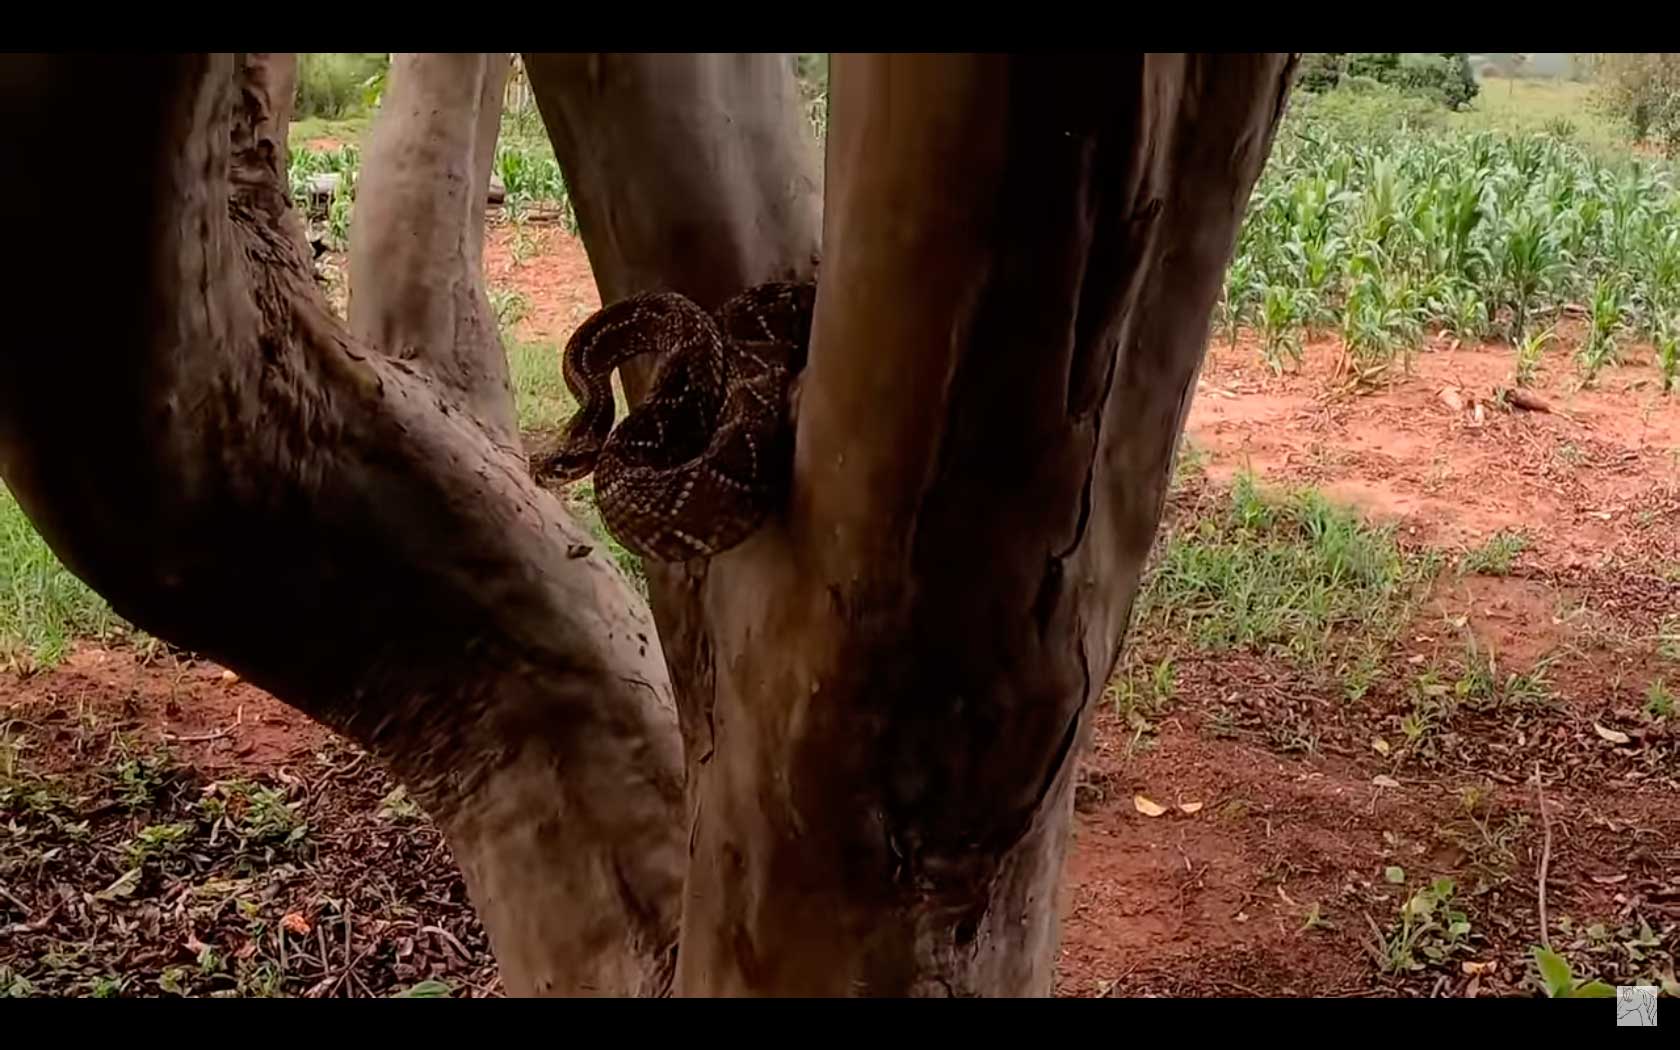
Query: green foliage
(1444,78)
(1430,929)
(1667,342)
(1606,321)
(1643,91)
(332,84)
(43,607)
(1558,980)
(1659,700)
(1494,557)
(1374,217)
(1279,573)
(1319,70)
(1529,352)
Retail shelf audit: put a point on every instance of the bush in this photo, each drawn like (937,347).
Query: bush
(1319,70)
(1643,89)
(331,84)
(1444,77)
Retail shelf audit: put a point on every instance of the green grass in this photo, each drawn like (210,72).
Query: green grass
(1288,574)
(42,606)
(1495,557)
(347,130)
(541,399)
(1536,105)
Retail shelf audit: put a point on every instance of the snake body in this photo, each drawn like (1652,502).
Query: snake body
(696,467)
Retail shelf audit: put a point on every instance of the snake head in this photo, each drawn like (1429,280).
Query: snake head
(566,464)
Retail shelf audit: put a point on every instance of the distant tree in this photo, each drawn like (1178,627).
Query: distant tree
(1643,89)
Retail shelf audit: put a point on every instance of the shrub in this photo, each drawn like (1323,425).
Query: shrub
(331,84)
(1643,89)
(1443,77)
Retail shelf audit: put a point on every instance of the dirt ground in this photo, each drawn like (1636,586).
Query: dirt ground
(1289,845)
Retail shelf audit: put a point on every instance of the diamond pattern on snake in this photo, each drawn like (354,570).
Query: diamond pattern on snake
(699,465)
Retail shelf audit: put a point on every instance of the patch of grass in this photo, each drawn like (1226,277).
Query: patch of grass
(43,607)
(1562,108)
(348,130)
(1140,692)
(541,400)
(1659,700)
(1496,556)
(1280,573)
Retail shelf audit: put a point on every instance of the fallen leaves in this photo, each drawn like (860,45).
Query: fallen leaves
(1614,736)
(1150,808)
(295,923)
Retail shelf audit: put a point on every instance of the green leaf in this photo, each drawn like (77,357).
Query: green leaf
(1443,887)
(1395,873)
(425,990)
(1458,929)
(1593,990)
(1554,971)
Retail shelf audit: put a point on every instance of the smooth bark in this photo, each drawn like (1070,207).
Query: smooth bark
(417,235)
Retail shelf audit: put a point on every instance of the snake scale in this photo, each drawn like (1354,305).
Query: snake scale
(696,467)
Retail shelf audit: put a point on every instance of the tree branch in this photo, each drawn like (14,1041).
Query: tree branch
(694,173)
(238,475)
(417,235)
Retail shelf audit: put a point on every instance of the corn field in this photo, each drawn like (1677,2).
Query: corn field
(1379,233)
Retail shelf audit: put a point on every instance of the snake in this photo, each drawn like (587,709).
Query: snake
(699,464)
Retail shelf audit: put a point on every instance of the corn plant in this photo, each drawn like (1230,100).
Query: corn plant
(1600,347)
(1667,341)
(1528,356)
(1279,336)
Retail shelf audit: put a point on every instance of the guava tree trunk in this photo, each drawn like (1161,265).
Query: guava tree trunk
(876,702)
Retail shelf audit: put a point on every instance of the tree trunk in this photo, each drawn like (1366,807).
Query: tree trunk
(881,695)
(884,697)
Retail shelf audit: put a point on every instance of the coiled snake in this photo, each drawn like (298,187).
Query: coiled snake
(696,467)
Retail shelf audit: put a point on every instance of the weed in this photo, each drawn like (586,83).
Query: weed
(1278,573)
(1528,356)
(155,842)
(509,306)
(1558,980)
(1429,931)
(1495,556)
(397,808)
(1659,701)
